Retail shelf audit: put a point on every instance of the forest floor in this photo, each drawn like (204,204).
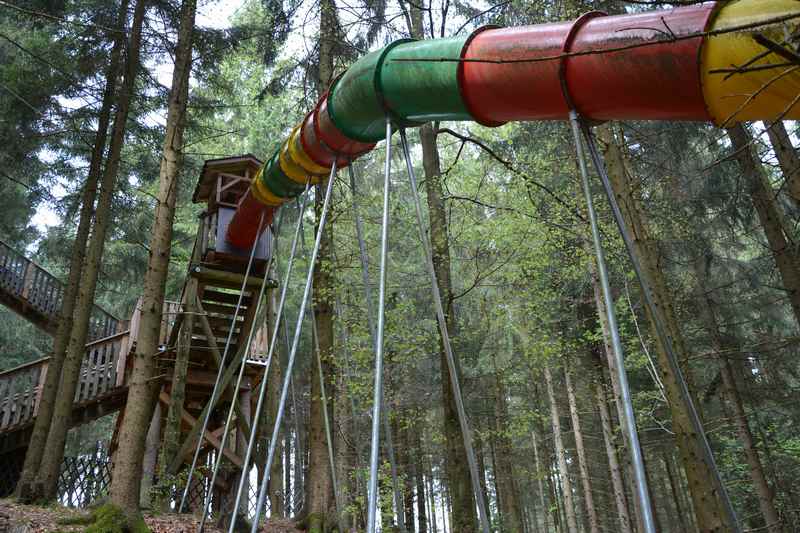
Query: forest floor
(18,518)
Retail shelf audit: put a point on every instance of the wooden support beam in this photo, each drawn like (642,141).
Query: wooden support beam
(223,278)
(192,422)
(217,434)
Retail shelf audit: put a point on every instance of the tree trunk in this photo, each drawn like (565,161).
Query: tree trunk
(142,388)
(706,502)
(675,490)
(611,452)
(419,461)
(722,344)
(480,458)
(539,474)
(463,500)
(274,381)
(464,516)
(569,506)
(320,506)
(788,159)
(404,465)
(583,465)
(150,461)
(609,432)
(784,250)
(464,513)
(36,444)
(432,494)
(70,372)
(510,508)
(321,503)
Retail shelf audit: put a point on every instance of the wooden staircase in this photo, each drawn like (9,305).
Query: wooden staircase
(36,295)
(198,327)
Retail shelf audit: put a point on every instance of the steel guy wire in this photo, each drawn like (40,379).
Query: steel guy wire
(448,349)
(256,417)
(215,391)
(377,399)
(362,250)
(663,336)
(293,353)
(629,422)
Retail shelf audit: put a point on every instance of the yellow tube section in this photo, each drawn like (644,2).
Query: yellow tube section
(760,94)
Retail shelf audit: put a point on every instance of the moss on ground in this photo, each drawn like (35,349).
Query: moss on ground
(111,519)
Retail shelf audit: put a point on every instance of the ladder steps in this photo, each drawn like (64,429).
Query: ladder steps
(220,323)
(211,295)
(219,309)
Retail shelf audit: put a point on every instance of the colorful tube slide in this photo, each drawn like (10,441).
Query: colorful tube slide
(706,62)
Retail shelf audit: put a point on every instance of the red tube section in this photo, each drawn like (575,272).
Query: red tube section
(652,82)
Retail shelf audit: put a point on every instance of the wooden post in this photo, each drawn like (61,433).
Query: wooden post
(127,344)
(27,276)
(39,387)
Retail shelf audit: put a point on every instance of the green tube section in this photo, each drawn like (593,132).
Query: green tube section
(424,91)
(277,181)
(391,82)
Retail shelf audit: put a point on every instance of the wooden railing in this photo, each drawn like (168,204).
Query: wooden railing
(102,370)
(36,294)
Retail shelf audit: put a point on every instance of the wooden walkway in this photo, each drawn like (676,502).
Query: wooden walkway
(36,295)
(101,389)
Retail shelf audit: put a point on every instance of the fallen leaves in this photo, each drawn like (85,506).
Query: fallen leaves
(18,518)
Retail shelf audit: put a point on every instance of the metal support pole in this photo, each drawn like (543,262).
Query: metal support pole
(662,334)
(388,439)
(215,391)
(629,422)
(262,493)
(448,349)
(377,399)
(272,344)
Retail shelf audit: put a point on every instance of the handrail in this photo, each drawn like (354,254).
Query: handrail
(41,360)
(24,366)
(108,339)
